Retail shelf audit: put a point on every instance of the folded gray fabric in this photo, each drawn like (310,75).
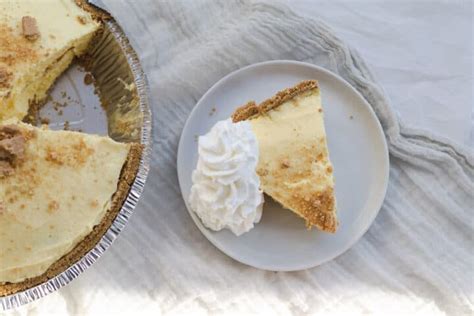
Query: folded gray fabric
(416,257)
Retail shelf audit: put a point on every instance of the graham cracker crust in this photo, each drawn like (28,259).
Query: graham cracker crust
(97,13)
(127,176)
(251,109)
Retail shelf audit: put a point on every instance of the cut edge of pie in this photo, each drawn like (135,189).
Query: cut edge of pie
(316,207)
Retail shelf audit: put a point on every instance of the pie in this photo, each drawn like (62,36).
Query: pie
(294,166)
(59,190)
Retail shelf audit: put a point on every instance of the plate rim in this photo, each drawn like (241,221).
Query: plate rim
(380,198)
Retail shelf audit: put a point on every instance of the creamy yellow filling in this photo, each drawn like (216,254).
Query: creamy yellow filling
(294,159)
(65,31)
(54,198)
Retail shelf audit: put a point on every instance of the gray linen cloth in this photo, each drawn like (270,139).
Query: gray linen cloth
(416,257)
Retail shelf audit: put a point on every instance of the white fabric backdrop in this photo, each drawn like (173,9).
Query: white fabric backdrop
(416,258)
(421,52)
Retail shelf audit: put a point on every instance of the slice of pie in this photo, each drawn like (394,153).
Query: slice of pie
(59,193)
(294,166)
(38,41)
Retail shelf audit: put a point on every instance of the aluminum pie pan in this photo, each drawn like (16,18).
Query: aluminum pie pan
(128,107)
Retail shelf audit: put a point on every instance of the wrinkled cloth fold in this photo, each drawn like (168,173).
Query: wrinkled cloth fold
(416,257)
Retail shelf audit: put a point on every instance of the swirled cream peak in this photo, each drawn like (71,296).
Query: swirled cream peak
(226,188)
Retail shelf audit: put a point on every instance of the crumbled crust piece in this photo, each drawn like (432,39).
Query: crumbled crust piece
(88,79)
(5,78)
(262,172)
(82,20)
(12,149)
(30,28)
(285,163)
(53,206)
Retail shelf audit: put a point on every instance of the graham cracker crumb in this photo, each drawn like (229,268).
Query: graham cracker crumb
(30,28)
(262,172)
(5,78)
(88,79)
(285,163)
(53,206)
(12,149)
(82,20)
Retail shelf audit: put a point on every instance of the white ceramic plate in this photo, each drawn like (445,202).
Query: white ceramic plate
(357,148)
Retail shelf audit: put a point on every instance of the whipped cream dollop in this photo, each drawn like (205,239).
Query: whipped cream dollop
(226,188)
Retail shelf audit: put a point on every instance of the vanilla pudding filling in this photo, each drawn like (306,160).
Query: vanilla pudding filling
(29,66)
(226,188)
(55,186)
